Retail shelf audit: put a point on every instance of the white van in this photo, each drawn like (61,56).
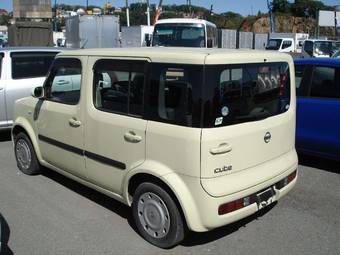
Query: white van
(317,48)
(189,138)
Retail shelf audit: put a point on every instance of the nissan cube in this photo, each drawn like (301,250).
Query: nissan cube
(190,139)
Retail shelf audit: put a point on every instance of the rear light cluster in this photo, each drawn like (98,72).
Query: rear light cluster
(243,202)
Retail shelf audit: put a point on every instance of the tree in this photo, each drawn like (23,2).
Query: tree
(4,19)
(281,6)
(307,8)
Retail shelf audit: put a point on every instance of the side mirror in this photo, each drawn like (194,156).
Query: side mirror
(209,43)
(148,39)
(38,92)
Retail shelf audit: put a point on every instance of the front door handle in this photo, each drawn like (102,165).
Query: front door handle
(132,137)
(221,149)
(74,122)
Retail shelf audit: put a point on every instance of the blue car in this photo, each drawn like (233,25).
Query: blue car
(318,107)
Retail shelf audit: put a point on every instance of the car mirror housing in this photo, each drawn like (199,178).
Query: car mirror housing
(38,92)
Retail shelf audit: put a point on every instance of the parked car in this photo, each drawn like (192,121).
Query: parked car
(195,138)
(319,48)
(21,69)
(318,108)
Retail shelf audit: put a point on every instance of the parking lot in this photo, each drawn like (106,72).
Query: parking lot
(50,214)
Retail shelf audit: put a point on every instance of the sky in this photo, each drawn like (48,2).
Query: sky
(244,7)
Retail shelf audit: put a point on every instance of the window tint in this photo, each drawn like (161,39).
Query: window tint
(174,95)
(31,64)
(308,47)
(241,93)
(64,81)
(325,82)
(119,86)
(286,44)
(299,75)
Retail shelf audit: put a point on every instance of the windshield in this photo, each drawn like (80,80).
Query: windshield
(242,93)
(274,44)
(337,54)
(179,35)
(326,48)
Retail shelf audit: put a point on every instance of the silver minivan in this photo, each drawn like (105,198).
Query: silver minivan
(21,69)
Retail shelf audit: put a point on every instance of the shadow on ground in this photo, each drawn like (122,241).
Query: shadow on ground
(95,196)
(125,212)
(194,238)
(320,163)
(5,136)
(4,237)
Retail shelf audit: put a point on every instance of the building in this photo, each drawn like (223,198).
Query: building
(32,9)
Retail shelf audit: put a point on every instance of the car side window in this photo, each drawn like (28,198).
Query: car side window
(64,82)
(299,75)
(325,82)
(118,86)
(31,64)
(286,44)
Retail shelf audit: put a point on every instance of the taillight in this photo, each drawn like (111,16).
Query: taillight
(283,82)
(291,176)
(233,205)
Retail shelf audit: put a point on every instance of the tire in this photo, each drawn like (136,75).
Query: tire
(25,155)
(157,216)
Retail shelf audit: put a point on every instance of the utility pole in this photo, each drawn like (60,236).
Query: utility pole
(127,13)
(55,15)
(87,5)
(148,11)
(271,18)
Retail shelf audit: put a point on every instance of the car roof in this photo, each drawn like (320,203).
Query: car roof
(29,49)
(181,55)
(184,20)
(318,61)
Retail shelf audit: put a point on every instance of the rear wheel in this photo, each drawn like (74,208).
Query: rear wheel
(157,216)
(25,155)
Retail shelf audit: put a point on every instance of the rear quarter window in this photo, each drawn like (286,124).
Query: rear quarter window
(31,64)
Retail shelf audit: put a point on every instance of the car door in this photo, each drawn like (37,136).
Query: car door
(318,113)
(115,131)
(59,117)
(3,117)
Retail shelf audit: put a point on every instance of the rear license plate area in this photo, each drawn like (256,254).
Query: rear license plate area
(265,198)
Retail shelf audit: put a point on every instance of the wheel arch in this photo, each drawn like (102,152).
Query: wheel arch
(181,195)
(22,125)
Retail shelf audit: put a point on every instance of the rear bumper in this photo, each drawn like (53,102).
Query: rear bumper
(204,215)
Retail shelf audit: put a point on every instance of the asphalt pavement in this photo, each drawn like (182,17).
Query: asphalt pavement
(50,214)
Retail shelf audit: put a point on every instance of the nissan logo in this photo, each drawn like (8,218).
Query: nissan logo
(267,137)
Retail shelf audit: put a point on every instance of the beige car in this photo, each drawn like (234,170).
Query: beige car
(191,139)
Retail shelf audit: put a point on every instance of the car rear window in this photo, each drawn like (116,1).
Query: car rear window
(242,93)
(31,64)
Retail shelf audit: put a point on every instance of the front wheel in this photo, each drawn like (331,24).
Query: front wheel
(25,155)
(157,216)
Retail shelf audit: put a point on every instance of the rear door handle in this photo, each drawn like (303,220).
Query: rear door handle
(221,149)
(132,137)
(74,122)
